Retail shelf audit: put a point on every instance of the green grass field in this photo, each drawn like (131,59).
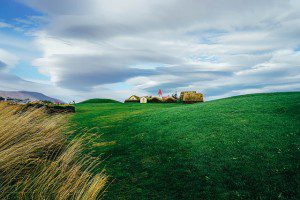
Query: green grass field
(244,147)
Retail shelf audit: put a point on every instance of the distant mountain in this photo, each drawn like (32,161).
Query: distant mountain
(32,96)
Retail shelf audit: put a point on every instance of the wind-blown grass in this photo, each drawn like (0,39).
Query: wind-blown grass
(37,161)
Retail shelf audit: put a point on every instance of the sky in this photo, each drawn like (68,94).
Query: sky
(80,49)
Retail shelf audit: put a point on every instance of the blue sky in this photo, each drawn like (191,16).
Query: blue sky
(11,12)
(78,49)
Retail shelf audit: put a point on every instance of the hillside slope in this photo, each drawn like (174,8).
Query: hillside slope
(242,147)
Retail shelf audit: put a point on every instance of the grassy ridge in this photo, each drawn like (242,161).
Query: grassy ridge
(37,162)
(240,148)
(100,101)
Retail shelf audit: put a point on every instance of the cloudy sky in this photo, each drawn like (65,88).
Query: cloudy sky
(78,49)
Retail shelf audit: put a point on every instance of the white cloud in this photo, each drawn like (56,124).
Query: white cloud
(5,25)
(7,58)
(273,88)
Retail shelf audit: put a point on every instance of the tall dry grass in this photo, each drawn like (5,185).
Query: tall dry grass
(37,161)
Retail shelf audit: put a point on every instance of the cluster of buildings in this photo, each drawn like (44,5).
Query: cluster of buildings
(185,97)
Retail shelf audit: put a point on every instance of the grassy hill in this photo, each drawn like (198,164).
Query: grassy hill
(243,147)
(100,101)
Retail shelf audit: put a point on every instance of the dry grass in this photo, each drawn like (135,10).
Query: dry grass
(37,162)
(104,144)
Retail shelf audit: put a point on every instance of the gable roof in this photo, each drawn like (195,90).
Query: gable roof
(134,97)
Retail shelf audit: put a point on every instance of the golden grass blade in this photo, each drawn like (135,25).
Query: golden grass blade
(37,162)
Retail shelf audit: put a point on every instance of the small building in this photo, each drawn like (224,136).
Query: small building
(170,100)
(185,92)
(143,100)
(191,97)
(155,100)
(133,99)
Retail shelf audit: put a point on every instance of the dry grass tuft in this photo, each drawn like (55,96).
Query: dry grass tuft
(37,162)
(104,144)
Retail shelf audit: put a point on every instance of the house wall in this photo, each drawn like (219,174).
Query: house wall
(143,100)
